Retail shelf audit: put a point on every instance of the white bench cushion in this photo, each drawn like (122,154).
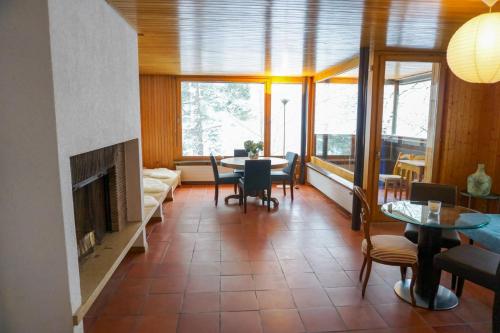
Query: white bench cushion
(150,201)
(162,173)
(154,186)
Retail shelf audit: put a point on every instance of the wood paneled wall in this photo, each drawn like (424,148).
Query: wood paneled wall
(158,120)
(471,131)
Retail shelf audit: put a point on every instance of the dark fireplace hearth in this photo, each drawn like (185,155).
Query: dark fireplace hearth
(99,196)
(91,203)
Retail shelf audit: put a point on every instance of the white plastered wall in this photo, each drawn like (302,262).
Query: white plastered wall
(69,84)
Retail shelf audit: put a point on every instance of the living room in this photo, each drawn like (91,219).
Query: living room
(191,166)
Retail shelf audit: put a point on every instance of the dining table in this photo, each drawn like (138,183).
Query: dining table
(431,226)
(238,163)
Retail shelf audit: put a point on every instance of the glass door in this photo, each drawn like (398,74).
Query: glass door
(407,122)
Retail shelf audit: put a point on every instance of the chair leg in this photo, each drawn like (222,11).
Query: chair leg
(460,286)
(367,276)
(284,188)
(291,189)
(412,283)
(385,191)
(362,269)
(496,313)
(240,197)
(235,188)
(453,282)
(403,272)
(269,198)
(245,203)
(216,198)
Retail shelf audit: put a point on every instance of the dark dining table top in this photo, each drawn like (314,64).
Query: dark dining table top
(239,162)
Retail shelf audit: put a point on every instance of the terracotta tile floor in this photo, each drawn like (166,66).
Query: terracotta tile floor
(295,269)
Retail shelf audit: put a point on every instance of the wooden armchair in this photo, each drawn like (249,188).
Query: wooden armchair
(398,180)
(385,249)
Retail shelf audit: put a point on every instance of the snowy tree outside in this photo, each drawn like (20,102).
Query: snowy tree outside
(412,110)
(335,115)
(217,117)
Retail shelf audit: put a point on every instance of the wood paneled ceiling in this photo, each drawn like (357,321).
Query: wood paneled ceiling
(283,37)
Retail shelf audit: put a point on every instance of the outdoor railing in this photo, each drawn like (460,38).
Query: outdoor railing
(339,149)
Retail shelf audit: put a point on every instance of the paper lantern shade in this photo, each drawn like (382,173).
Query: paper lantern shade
(474,50)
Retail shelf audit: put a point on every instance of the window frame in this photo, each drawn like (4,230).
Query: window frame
(331,77)
(267,81)
(375,113)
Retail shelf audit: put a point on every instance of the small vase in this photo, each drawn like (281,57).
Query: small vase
(253,155)
(479,183)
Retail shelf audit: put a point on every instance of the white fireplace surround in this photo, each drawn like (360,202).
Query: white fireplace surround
(69,85)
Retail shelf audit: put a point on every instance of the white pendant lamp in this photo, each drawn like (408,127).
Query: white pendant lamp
(474,50)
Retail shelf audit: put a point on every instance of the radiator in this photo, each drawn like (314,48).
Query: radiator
(199,173)
(332,189)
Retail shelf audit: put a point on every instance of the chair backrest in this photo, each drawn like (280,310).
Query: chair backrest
(401,156)
(213,162)
(257,175)
(447,194)
(240,153)
(366,214)
(292,162)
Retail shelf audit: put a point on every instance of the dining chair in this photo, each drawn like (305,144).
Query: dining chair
(240,153)
(397,180)
(256,182)
(222,178)
(287,174)
(390,250)
(447,194)
(474,264)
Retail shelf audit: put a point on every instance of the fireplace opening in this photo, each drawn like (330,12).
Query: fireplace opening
(92,208)
(99,196)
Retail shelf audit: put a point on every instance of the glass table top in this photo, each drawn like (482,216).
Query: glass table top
(450,217)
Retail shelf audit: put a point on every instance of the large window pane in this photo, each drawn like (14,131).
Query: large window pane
(406,144)
(218,117)
(335,122)
(292,112)
(413,98)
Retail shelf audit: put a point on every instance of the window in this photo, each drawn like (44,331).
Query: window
(335,122)
(292,93)
(217,117)
(412,110)
(406,126)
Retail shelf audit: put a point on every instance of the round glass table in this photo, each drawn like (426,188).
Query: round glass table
(429,244)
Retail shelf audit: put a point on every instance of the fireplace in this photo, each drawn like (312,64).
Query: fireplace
(99,196)
(91,202)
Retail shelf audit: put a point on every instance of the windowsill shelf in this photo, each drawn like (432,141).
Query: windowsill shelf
(344,182)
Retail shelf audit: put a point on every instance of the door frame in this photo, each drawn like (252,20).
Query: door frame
(376,113)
